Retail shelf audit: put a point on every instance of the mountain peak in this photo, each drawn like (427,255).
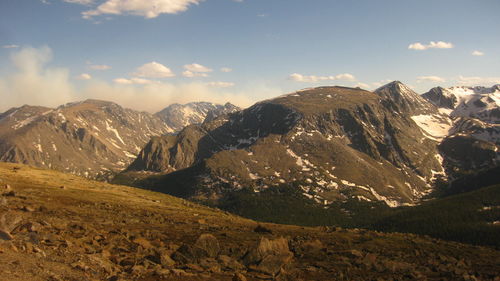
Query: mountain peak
(403,98)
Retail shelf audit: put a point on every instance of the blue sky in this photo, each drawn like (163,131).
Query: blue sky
(147,54)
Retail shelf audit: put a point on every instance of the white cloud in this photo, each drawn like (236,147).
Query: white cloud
(226,69)
(197,68)
(153,70)
(478,81)
(191,74)
(362,85)
(477,53)
(134,81)
(81,2)
(99,67)
(84,76)
(421,79)
(12,46)
(220,84)
(313,79)
(33,82)
(148,9)
(432,45)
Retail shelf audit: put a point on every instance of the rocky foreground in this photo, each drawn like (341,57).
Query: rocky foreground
(55,226)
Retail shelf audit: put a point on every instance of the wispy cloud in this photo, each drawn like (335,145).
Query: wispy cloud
(220,84)
(421,79)
(32,81)
(226,69)
(477,80)
(99,67)
(147,9)
(432,45)
(81,2)
(190,74)
(153,70)
(84,76)
(314,79)
(196,70)
(134,80)
(12,46)
(477,53)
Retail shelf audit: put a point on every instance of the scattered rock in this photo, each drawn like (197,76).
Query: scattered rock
(7,187)
(239,277)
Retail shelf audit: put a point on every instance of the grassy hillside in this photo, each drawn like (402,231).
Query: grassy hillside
(56,226)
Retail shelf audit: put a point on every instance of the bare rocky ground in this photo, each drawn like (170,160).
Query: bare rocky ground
(55,226)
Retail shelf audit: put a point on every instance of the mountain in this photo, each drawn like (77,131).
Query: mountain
(481,103)
(333,144)
(64,227)
(93,138)
(177,116)
(473,139)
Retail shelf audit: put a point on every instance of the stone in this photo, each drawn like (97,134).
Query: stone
(209,243)
(166,260)
(230,263)
(269,256)
(188,254)
(28,209)
(5,235)
(10,193)
(145,244)
(239,277)
(194,267)
(262,229)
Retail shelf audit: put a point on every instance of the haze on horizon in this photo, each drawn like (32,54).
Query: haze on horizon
(148,54)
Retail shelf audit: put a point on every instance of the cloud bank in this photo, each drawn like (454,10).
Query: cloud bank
(314,79)
(33,81)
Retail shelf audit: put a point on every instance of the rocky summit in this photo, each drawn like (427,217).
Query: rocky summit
(56,226)
(177,116)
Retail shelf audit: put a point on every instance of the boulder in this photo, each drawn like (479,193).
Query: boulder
(208,243)
(269,256)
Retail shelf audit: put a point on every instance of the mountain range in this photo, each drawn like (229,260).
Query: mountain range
(92,138)
(330,145)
